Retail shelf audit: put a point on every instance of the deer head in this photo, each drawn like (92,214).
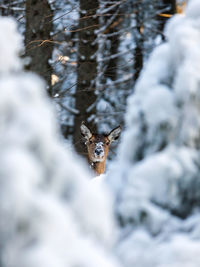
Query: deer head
(98,146)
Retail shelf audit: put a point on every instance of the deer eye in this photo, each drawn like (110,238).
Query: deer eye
(90,142)
(107,143)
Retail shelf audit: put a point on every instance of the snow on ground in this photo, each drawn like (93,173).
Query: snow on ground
(156,179)
(51,215)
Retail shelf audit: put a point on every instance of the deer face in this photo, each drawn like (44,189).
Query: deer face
(98,144)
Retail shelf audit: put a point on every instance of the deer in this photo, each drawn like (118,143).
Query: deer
(98,146)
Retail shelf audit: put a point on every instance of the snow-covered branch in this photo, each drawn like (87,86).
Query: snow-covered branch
(156,177)
(51,214)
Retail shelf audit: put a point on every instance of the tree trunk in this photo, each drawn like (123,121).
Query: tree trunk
(138,52)
(85,96)
(39,25)
(138,60)
(170,6)
(114,42)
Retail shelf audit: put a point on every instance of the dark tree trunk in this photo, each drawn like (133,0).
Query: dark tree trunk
(111,69)
(138,52)
(114,42)
(85,95)
(169,7)
(138,60)
(37,38)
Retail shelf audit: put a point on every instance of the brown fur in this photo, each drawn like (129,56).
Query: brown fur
(100,142)
(98,167)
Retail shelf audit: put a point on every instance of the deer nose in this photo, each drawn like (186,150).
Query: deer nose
(98,151)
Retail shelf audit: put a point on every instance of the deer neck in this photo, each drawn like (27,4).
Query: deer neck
(98,167)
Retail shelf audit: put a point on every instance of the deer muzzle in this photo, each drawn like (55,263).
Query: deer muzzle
(99,150)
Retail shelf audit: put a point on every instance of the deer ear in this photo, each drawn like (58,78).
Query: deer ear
(114,134)
(85,131)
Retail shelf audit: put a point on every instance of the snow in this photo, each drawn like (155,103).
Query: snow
(192,10)
(155,179)
(9,52)
(51,214)
(99,180)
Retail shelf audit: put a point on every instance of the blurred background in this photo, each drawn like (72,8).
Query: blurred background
(90,53)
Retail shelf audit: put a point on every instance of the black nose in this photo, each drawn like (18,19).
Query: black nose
(98,151)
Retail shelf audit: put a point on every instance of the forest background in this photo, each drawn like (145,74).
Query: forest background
(90,53)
